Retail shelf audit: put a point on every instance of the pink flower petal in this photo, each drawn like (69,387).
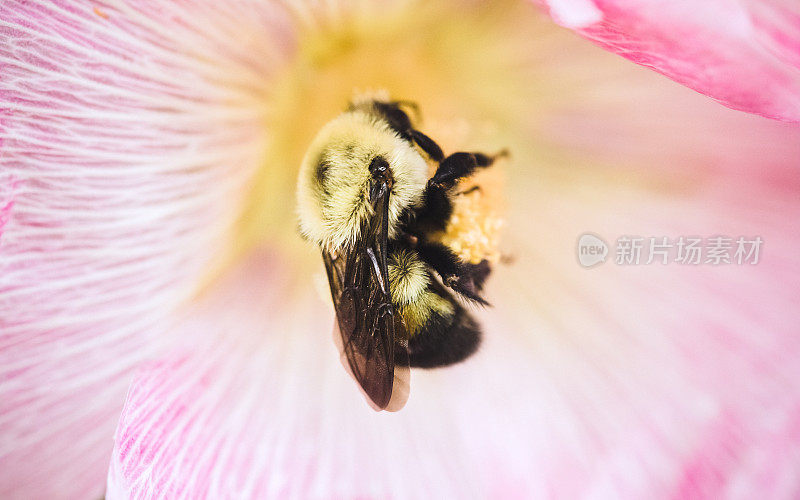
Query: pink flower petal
(8,189)
(125,130)
(745,55)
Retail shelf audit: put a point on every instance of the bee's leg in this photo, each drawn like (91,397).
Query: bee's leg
(460,165)
(397,118)
(485,160)
(453,168)
(436,209)
(479,272)
(464,278)
(433,214)
(400,122)
(427,144)
(444,340)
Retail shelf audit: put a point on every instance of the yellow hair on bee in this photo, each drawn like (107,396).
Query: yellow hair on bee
(409,283)
(365,98)
(334,181)
(407,277)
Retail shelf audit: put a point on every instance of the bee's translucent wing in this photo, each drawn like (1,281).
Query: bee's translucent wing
(373,339)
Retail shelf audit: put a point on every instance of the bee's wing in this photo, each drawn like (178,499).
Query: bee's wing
(373,340)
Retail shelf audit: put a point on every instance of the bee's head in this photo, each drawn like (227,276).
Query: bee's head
(342,172)
(381,176)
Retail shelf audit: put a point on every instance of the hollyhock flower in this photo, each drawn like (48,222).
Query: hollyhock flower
(148,247)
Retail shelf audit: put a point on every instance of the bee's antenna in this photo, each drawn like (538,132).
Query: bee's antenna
(414,108)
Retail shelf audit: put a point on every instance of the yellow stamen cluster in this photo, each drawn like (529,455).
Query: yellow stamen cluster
(476,223)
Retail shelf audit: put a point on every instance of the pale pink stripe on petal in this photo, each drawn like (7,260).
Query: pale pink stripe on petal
(8,190)
(129,130)
(745,55)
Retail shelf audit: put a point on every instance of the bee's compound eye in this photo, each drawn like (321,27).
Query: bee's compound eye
(378,167)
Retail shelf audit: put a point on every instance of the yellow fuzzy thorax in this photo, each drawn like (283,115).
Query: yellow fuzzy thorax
(334,180)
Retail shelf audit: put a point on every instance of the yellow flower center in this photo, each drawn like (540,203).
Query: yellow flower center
(484,77)
(457,64)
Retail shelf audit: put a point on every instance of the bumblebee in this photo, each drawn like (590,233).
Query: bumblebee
(365,198)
